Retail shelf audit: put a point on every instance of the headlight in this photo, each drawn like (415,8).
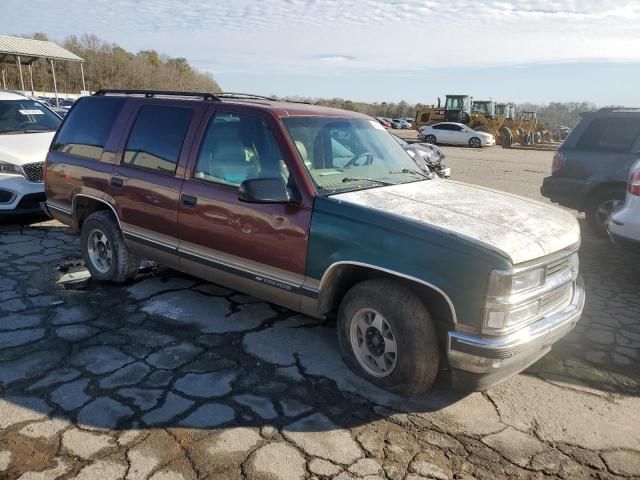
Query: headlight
(10,169)
(514,298)
(504,284)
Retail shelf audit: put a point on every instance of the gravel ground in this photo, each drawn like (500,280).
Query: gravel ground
(174,378)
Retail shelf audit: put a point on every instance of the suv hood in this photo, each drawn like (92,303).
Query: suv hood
(518,228)
(23,148)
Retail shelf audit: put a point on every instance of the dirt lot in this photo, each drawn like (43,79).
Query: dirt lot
(174,378)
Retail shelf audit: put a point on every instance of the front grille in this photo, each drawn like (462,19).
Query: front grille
(556,300)
(34,171)
(557,267)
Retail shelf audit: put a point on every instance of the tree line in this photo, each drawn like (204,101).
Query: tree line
(107,65)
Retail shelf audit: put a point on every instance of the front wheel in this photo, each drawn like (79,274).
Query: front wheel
(430,139)
(104,250)
(475,142)
(387,336)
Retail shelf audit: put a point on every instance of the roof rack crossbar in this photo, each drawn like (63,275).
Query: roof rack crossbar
(245,95)
(619,109)
(153,93)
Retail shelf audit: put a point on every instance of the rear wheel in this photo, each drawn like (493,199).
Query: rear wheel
(506,137)
(387,336)
(104,250)
(475,142)
(600,207)
(430,139)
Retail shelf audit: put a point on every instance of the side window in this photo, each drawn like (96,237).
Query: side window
(454,128)
(87,129)
(237,147)
(610,135)
(157,137)
(438,127)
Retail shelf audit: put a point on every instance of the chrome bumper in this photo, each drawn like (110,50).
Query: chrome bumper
(478,363)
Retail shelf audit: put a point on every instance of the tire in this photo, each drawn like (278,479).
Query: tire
(106,254)
(405,320)
(506,137)
(474,142)
(482,128)
(600,206)
(430,139)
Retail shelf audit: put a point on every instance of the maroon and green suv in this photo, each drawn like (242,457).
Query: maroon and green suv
(321,211)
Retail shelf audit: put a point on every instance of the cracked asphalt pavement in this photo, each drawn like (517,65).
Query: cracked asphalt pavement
(170,377)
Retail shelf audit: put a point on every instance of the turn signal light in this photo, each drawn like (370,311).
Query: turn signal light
(558,161)
(634,183)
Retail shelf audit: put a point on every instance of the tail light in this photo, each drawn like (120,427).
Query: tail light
(558,161)
(634,183)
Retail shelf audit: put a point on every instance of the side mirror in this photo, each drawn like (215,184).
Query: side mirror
(265,190)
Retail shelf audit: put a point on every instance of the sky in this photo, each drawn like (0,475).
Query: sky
(374,50)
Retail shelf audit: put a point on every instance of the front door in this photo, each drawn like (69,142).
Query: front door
(149,172)
(260,249)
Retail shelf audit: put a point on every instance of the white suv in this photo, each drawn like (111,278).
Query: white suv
(26,130)
(624,224)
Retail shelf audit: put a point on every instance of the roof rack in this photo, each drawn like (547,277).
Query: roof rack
(153,93)
(619,109)
(248,96)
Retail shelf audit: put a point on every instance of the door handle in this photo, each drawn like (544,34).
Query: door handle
(188,200)
(117,181)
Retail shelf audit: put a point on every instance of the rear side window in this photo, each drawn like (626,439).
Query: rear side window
(610,135)
(85,132)
(157,137)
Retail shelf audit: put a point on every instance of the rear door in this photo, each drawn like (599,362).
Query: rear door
(260,249)
(444,133)
(149,172)
(603,151)
(456,135)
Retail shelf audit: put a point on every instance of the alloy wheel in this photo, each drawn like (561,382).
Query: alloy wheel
(373,342)
(100,251)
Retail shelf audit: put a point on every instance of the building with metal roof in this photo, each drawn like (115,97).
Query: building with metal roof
(24,51)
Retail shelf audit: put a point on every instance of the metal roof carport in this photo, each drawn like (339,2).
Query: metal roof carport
(24,51)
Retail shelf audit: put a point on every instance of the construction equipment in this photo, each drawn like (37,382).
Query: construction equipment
(489,117)
(479,115)
(498,119)
(457,108)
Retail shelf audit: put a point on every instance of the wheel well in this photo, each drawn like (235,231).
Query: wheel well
(602,187)
(85,206)
(344,277)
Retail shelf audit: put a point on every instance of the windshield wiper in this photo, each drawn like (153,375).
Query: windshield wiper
(408,170)
(366,179)
(12,132)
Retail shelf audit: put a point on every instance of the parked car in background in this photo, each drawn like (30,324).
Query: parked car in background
(399,123)
(560,133)
(624,223)
(66,103)
(244,191)
(26,130)
(591,169)
(427,156)
(451,133)
(385,123)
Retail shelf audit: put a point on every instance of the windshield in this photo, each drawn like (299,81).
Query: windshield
(26,116)
(348,154)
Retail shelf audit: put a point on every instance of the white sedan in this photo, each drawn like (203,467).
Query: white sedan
(456,134)
(624,224)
